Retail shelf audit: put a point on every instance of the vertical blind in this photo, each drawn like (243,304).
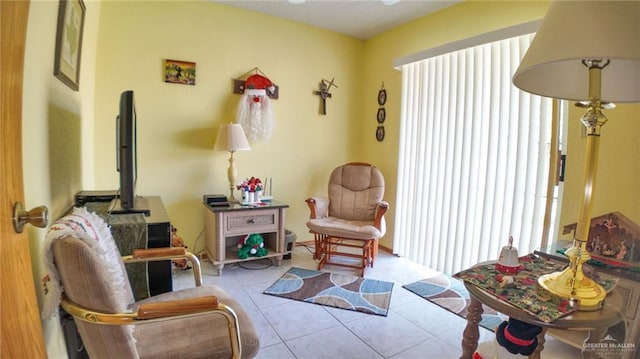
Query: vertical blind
(473,159)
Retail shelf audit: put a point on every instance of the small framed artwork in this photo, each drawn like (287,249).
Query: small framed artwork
(180,72)
(66,65)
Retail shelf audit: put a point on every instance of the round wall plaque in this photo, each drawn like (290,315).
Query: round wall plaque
(382,114)
(382,97)
(380,133)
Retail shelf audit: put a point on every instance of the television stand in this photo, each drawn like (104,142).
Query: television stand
(140,205)
(133,231)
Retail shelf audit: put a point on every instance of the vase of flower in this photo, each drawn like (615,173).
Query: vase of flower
(251,190)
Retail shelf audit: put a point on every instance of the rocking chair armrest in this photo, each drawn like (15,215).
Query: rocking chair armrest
(166,253)
(318,206)
(381,209)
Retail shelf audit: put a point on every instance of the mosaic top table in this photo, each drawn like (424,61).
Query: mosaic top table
(596,323)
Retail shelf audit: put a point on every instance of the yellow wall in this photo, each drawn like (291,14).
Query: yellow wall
(124,44)
(617,187)
(177,124)
(462,21)
(56,124)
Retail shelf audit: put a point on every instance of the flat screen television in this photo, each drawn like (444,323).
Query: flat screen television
(126,158)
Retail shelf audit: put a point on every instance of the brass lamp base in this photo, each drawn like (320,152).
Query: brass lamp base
(586,293)
(582,292)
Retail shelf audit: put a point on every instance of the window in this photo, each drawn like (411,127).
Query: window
(473,159)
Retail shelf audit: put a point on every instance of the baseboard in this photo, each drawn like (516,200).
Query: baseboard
(305,243)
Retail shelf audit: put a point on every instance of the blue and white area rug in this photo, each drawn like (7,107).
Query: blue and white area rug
(334,290)
(450,294)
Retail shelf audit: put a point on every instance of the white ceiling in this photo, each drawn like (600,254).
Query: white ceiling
(361,19)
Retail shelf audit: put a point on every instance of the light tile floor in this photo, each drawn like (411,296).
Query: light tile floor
(414,327)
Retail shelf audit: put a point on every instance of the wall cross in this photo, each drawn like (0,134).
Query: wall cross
(325,86)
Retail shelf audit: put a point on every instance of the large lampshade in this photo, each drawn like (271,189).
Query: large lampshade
(575,30)
(586,51)
(231,138)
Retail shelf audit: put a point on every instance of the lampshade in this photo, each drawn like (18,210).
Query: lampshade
(575,30)
(231,138)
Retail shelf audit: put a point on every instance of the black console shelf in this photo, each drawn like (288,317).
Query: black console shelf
(138,231)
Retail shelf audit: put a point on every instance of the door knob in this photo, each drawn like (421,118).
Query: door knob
(38,217)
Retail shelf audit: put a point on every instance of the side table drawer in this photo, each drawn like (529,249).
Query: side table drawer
(250,221)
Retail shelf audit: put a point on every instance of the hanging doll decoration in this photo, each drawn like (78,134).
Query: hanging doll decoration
(254,111)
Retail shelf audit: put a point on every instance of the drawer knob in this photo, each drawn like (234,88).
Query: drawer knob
(251,221)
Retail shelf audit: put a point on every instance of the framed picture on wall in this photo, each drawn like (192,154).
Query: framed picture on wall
(180,72)
(69,42)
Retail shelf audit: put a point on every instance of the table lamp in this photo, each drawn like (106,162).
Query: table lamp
(585,51)
(231,138)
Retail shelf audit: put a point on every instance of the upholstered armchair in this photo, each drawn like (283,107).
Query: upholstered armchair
(349,222)
(198,322)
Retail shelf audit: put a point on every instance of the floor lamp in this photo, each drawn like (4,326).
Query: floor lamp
(231,138)
(585,51)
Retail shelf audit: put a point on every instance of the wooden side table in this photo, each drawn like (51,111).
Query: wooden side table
(595,323)
(225,226)
(628,287)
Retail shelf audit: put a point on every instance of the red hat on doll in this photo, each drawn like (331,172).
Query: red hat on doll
(258,82)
